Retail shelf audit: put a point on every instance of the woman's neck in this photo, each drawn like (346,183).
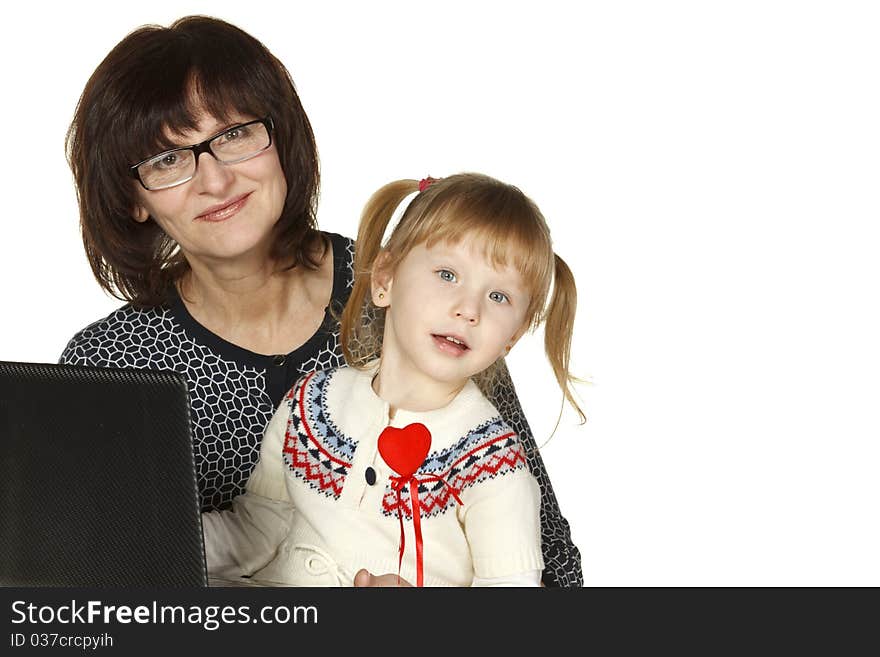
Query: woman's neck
(260,306)
(233,293)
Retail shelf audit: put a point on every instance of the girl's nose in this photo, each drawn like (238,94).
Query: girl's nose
(468,310)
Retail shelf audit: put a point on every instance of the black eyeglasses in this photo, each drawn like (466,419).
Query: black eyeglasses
(230,146)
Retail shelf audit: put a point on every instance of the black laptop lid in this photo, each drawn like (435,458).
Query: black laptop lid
(97,482)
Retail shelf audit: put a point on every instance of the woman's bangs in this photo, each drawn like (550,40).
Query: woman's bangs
(179,99)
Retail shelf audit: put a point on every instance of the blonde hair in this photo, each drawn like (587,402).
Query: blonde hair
(502,218)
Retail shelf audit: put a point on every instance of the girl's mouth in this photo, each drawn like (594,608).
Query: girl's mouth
(450,344)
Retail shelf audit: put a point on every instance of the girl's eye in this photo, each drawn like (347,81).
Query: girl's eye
(498,297)
(446,275)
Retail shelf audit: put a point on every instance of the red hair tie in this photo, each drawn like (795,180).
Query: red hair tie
(424,183)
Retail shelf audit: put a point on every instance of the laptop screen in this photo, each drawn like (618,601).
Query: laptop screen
(97,481)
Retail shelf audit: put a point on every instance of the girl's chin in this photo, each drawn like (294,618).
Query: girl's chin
(453,372)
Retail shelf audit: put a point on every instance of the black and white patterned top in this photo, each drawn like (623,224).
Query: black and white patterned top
(234,392)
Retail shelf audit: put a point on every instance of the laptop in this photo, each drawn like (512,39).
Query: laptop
(97,479)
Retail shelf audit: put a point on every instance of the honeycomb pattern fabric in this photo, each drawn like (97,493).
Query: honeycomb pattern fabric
(234,393)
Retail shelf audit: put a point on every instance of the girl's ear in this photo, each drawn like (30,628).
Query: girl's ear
(520,333)
(381,280)
(514,339)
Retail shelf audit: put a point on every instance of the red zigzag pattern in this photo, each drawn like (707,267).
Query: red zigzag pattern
(304,463)
(499,462)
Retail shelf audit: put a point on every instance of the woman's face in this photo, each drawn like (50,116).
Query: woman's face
(226,212)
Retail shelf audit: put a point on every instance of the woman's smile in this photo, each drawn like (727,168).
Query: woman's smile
(225,210)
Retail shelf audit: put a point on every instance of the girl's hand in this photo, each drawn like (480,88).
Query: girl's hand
(365,578)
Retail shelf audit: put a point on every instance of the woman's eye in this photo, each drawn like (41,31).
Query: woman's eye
(168,161)
(234,134)
(498,297)
(446,275)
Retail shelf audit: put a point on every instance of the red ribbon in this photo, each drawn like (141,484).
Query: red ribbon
(397,484)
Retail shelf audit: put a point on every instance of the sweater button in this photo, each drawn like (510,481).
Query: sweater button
(370,476)
(279,360)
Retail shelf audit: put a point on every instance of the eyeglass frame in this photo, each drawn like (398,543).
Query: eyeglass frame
(204,147)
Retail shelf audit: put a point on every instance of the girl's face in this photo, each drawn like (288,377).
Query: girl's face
(450,313)
(227,211)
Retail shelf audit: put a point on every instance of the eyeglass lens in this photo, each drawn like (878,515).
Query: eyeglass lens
(236,144)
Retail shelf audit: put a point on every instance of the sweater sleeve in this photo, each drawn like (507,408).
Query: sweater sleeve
(501,522)
(527,579)
(77,351)
(243,539)
(562,560)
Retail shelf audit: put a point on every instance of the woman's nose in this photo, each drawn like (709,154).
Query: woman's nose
(212,176)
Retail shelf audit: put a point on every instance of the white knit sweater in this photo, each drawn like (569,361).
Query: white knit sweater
(309,516)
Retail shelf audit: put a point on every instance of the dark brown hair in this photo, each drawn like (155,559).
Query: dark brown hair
(155,81)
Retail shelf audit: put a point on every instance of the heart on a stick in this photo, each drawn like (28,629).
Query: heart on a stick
(404,450)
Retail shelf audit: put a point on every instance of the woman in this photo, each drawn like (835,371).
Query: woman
(197,178)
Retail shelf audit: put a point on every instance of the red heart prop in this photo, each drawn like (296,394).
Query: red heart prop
(404,450)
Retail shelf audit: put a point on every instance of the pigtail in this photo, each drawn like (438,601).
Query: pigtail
(558,330)
(360,326)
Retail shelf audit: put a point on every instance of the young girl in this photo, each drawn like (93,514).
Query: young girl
(399,463)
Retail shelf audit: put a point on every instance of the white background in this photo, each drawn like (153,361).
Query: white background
(709,170)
